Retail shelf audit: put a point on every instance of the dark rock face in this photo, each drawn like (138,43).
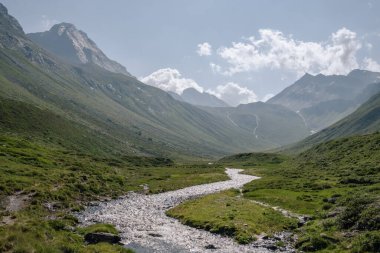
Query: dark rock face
(101,237)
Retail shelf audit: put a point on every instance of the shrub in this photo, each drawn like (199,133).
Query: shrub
(368,242)
(312,243)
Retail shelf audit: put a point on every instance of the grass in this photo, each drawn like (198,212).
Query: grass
(99,228)
(336,183)
(228,214)
(58,181)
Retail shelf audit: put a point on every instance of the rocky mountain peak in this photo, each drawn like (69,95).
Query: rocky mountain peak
(74,46)
(84,47)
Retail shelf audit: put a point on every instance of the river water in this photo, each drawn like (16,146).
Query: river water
(144,226)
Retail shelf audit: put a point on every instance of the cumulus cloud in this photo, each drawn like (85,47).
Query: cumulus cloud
(204,49)
(371,65)
(234,94)
(274,50)
(169,79)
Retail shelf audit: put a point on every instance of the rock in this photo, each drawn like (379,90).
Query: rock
(300,223)
(271,247)
(155,235)
(331,200)
(102,237)
(210,246)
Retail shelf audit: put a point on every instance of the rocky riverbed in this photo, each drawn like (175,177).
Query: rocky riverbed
(144,226)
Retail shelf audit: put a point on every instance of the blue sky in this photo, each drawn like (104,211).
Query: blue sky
(257,48)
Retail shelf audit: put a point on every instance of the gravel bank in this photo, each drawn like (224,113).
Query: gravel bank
(144,226)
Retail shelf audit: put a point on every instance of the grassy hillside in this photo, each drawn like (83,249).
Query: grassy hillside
(40,124)
(366,119)
(41,184)
(336,184)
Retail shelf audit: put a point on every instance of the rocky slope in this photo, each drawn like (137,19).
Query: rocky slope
(73,45)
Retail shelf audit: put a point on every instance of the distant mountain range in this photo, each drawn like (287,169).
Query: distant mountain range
(62,75)
(194,97)
(364,120)
(266,122)
(323,100)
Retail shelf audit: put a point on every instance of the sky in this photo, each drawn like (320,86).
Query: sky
(241,51)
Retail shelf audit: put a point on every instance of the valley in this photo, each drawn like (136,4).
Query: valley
(95,159)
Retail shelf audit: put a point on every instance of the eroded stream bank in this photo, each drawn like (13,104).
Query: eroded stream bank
(144,226)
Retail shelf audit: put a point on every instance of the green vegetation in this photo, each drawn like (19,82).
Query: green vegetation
(100,227)
(229,214)
(54,181)
(253,160)
(336,183)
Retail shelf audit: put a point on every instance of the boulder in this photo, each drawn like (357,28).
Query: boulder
(210,246)
(101,237)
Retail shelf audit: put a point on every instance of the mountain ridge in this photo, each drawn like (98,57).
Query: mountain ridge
(144,118)
(364,120)
(323,100)
(74,46)
(194,97)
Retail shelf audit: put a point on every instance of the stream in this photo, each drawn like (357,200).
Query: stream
(144,227)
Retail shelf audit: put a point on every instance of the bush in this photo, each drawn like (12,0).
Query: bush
(353,211)
(368,242)
(312,243)
(244,238)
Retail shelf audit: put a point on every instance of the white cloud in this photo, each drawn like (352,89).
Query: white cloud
(204,49)
(215,67)
(274,50)
(267,97)
(371,65)
(169,79)
(234,94)
(47,23)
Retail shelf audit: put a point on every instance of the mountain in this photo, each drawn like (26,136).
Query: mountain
(74,46)
(265,122)
(118,114)
(175,96)
(194,97)
(322,100)
(365,120)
